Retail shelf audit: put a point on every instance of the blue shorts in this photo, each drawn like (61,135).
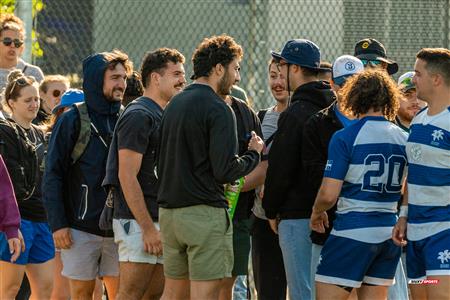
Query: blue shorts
(39,246)
(348,262)
(429,257)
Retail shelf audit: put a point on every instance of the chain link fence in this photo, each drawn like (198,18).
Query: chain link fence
(70,30)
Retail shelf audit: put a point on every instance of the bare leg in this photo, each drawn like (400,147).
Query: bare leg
(418,292)
(11,276)
(326,291)
(98,290)
(81,289)
(441,290)
(372,292)
(207,290)
(176,289)
(226,289)
(137,278)
(60,283)
(41,279)
(112,286)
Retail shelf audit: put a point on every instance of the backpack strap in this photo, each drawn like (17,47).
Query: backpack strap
(84,134)
(262,114)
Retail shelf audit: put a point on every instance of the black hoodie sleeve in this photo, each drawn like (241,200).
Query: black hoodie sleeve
(284,162)
(57,164)
(226,165)
(314,154)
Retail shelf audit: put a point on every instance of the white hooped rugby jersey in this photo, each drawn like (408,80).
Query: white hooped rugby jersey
(370,157)
(428,150)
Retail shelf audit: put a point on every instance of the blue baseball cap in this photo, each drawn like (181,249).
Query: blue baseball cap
(301,52)
(70,97)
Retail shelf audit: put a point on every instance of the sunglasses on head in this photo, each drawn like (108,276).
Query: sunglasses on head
(21,81)
(7,41)
(370,62)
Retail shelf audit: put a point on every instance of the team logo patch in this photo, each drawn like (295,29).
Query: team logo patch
(349,66)
(416,152)
(365,45)
(444,257)
(437,135)
(328,165)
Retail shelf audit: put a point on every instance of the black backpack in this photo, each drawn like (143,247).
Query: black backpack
(20,158)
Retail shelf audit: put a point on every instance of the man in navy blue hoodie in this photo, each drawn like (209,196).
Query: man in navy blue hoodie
(73,195)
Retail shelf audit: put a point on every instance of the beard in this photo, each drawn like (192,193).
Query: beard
(112,98)
(225,84)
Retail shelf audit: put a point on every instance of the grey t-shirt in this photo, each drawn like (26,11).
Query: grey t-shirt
(30,70)
(269,125)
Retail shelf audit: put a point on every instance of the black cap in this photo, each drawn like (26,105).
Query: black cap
(371,49)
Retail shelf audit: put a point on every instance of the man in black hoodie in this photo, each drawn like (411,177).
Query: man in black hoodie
(287,199)
(73,195)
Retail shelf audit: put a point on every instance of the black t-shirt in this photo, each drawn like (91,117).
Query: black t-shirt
(198,150)
(246,122)
(138,131)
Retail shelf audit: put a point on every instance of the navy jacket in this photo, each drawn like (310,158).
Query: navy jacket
(73,195)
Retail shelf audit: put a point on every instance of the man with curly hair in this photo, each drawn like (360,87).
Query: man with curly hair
(197,156)
(364,171)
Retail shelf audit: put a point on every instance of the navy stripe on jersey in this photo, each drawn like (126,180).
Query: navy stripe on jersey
(353,220)
(426,135)
(429,176)
(359,153)
(422,214)
(354,191)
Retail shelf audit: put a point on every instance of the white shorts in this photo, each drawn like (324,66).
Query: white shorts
(128,237)
(89,257)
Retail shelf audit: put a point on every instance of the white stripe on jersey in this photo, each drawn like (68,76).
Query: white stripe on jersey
(370,134)
(433,157)
(372,235)
(426,195)
(346,205)
(417,232)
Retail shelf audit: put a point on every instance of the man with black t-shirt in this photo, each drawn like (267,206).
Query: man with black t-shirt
(131,179)
(197,156)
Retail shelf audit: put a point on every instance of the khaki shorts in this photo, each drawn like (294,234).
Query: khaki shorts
(128,237)
(197,242)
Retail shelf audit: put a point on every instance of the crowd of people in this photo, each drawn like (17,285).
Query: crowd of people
(141,186)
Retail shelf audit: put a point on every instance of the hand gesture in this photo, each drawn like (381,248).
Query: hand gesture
(16,246)
(318,222)
(152,241)
(256,143)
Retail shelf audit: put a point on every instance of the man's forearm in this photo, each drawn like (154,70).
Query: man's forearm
(135,199)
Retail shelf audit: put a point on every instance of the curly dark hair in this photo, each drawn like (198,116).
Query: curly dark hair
(371,89)
(117,57)
(215,50)
(156,61)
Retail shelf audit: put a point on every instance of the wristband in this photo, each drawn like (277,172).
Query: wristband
(403,211)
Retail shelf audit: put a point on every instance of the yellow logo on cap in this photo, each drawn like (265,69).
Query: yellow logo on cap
(365,45)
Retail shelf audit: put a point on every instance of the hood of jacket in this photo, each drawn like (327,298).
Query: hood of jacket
(318,93)
(94,67)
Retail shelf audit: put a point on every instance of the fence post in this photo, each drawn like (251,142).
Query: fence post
(24,10)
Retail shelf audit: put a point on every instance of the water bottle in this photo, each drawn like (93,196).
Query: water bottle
(232,191)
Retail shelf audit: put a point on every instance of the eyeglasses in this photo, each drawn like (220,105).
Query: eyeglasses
(57,93)
(7,41)
(370,62)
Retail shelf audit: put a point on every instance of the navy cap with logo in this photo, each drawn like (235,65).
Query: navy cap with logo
(301,52)
(371,49)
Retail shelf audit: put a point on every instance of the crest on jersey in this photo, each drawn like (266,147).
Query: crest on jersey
(416,152)
(437,135)
(328,165)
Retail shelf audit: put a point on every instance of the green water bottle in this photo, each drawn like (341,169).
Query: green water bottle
(232,191)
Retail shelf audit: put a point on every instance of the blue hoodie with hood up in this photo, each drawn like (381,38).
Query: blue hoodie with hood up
(72,193)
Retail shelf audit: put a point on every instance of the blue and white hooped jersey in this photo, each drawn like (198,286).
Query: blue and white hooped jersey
(370,157)
(428,151)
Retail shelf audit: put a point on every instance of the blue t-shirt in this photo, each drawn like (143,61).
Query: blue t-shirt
(369,156)
(428,150)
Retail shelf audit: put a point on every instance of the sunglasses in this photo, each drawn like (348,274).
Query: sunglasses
(21,81)
(7,41)
(370,62)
